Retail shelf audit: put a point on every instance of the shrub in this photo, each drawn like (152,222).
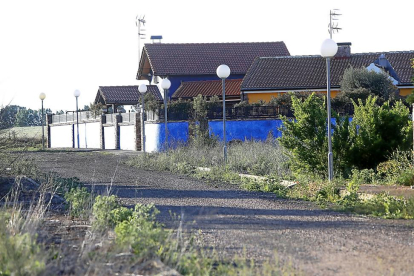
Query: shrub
(365,176)
(140,231)
(306,141)
(377,132)
(19,252)
(79,200)
(102,212)
(406,178)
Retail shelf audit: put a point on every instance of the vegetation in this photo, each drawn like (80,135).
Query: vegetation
(360,83)
(14,115)
(126,238)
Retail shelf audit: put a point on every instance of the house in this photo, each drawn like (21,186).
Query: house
(191,89)
(192,62)
(270,77)
(115,96)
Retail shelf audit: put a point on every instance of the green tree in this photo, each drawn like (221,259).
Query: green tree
(360,83)
(306,141)
(377,131)
(8,116)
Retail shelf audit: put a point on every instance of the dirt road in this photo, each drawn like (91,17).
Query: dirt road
(319,242)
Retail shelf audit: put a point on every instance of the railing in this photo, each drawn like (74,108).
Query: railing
(110,118)
(242,112)
(70,116)
(128,117)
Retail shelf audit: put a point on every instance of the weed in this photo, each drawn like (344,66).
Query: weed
(103,212)
(19,252)
(79,200)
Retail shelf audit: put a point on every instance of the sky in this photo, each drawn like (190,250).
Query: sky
(56,47)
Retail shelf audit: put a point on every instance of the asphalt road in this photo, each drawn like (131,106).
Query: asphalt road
(319,242)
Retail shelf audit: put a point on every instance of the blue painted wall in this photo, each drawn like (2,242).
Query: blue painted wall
(235,130)
(240,130)
(176,80)
(246,129)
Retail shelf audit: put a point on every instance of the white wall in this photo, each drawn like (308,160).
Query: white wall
(61,136)
(152,141)
(109,133)
(89,135)
(127,137)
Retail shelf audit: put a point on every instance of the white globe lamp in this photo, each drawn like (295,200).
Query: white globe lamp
(142,88)
(223,71)
(165,84)
(329,48)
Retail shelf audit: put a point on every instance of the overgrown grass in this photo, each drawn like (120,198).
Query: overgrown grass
(267,159)
(251,157)
(21,139)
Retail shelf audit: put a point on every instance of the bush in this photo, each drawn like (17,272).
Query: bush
(378,131)
(102,211)
(19,252)
(79,200)
(141,232)
(306,140)
(406,178)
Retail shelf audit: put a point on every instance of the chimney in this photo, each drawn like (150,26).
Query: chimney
(156,38)
(344,50)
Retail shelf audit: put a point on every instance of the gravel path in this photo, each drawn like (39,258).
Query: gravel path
(319,242)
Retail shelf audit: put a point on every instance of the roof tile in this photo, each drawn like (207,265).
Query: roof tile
(309,72)
(192,89)
(204,58)
(125,94)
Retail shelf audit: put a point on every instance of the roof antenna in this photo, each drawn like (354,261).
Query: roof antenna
(140,22)
(332,27)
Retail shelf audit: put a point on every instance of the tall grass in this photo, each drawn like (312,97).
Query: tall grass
(251,157)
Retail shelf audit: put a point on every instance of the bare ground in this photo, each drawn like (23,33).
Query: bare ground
(319,242)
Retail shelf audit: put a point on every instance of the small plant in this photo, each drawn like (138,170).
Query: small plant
(19,252)
(365,176)
(142,232)
(406,178)
(102,211)
(79,200)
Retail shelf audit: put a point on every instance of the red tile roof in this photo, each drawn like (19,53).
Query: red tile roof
(309,72)
(204,58)
(124,95)
(192,89)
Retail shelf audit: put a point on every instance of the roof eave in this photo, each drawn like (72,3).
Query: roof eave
(286,88)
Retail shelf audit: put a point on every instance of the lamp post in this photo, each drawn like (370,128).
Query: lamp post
(223,71)
(77,94)
(165,85)
(42,96)
(328,50)
(142,88)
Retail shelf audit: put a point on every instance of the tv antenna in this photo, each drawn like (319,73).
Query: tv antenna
(140,23)
(333,26)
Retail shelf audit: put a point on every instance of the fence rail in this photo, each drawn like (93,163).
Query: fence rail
(242,112)
(247,112)
(70,116)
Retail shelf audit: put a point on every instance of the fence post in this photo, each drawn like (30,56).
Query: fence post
(102,129)
(137,128)
(118,120)
(48,122)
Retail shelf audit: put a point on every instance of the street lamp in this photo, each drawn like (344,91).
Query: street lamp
(77,94)
(42,96)
(142,88)
(328,50)
(223,71)
(165,85)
